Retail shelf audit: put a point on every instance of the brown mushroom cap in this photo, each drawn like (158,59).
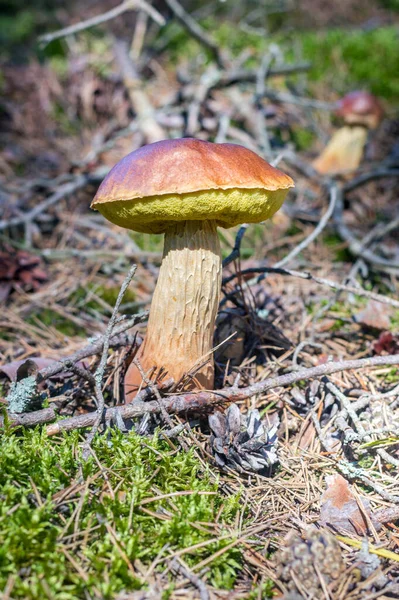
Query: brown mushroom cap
(189,179)
(360,108)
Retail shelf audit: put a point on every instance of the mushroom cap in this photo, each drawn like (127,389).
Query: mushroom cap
(360,108)
(190,180)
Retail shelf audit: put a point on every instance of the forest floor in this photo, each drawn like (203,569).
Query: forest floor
(306,296)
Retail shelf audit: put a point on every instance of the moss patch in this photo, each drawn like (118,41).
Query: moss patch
(96,538)
(51,318)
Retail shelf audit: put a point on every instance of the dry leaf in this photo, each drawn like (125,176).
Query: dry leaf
(375,315)
(340,509)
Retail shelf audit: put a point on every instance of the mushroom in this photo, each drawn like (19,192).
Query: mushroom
(186,188)
(360,112)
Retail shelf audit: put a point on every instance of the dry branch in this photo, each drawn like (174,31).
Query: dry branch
(195,30)
(340,287)
(335,194)
(99,374)
(116,340)
(145,113)
(103,18)
(246,76)
(298,100)
(190,402)
(62,192)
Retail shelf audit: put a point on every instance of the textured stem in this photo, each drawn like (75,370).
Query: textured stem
(184,307)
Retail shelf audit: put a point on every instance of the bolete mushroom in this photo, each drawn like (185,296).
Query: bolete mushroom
(186,188)
(360,112)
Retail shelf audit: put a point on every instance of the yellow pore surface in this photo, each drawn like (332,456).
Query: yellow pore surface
(227,208)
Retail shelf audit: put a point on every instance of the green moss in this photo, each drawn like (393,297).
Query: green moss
(148,242)
(392,376)
(395,320)
(17,28)
(68,126)
(303,138)
(341,59)
(50,318)
(390,4)
(264,590)
(333,241)
(366,462)
(345,60)
(47,546)
(85,297)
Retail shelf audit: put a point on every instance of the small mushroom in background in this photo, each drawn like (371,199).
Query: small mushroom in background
(186,188)
(361,112)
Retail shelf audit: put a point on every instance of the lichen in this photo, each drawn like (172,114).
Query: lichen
(24,396)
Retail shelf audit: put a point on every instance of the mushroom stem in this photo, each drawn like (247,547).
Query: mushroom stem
(343,152)
(184,307)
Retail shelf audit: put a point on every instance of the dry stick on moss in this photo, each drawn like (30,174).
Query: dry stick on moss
(200,401)
(103,18)
(99,374)
(350,289)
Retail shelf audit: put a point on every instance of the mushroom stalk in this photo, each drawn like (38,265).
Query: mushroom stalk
(343,152)
(184,307)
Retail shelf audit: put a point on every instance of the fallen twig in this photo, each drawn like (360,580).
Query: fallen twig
(145,113)
(350,289)
(347,405)
(99,374)
(62,192)
(103,18)
(116,340)
(246,76)
(178,566)
(335,194)
(195,30)
(356,246)
(298,100)
(189,402)
(366,177)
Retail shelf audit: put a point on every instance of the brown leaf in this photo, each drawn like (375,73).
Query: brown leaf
(340,509)
(11,370)
(29,366)
(375,315)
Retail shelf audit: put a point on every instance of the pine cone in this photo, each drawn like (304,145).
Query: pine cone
(304,558)
(242,443)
